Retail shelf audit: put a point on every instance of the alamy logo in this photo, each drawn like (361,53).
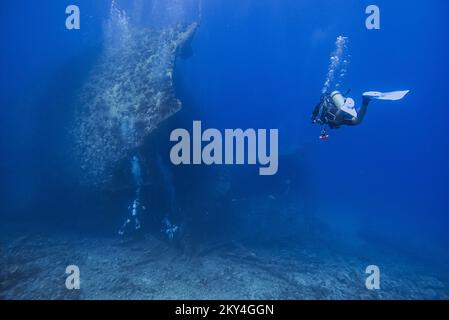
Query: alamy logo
(72,22)
(373,280)
(189,149)
(373,20)
(72,282)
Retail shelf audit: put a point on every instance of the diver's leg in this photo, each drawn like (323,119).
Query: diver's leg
(123,228)
(360,113)
(136,223)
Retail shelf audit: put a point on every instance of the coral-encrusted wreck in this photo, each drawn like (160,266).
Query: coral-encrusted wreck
(128,93)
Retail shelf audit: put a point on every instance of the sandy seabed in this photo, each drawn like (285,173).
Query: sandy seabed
(33,267)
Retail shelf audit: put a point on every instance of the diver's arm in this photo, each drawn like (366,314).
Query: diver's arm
(315,113)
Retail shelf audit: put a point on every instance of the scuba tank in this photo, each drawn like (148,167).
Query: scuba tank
(347,105)
(338,99)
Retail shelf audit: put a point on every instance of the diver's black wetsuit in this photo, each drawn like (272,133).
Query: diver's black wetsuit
(326,112)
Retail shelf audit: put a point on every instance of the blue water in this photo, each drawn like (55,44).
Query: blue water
(255,64)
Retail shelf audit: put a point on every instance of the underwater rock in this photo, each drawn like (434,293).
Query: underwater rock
(129,92)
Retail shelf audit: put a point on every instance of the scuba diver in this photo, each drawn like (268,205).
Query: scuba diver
(335,110)
(135,208)
(134,212)
(169,229)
